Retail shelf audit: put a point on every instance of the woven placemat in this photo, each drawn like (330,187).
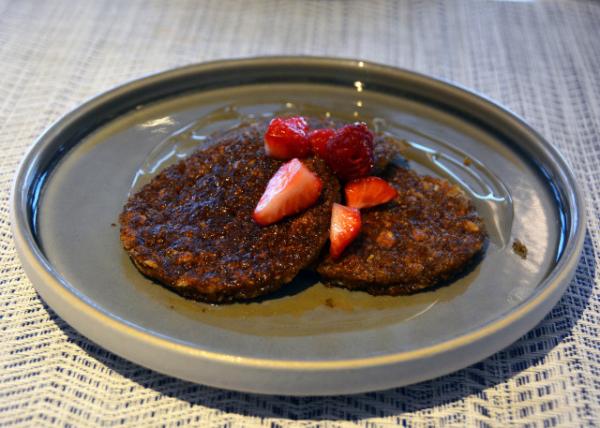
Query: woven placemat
(540,59)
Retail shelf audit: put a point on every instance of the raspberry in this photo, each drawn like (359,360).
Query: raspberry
(349,152)
(286,138)
(318,140)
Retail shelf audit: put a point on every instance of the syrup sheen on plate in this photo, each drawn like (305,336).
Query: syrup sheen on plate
(428,155)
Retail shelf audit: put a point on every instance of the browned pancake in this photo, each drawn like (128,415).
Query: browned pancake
(191,228)
(428,234)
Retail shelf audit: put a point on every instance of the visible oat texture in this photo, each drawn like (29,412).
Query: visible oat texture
(191,228)
(428,234)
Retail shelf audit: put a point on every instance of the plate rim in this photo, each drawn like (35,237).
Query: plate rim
(57,291)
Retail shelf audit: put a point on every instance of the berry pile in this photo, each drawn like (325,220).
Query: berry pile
(348,151)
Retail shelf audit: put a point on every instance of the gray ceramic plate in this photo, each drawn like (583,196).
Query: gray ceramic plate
(307,339)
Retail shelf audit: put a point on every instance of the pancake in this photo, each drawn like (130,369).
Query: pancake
(428,234)
(191,228)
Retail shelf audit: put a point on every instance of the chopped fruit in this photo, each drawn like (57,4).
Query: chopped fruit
(286,138)
(368,192)
(345,227)
(349,152)
(291,190)
(318,140)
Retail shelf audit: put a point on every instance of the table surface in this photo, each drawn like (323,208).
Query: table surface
(541,59)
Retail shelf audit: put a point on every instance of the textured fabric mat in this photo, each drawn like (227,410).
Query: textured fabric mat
(540,59)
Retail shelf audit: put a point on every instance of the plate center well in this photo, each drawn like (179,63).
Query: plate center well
(86,192)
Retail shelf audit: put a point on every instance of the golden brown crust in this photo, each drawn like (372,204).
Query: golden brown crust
(191,229)
(428,234)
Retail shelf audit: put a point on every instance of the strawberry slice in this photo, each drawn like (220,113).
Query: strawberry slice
(286,138)
(318,140)
(345,226)
(291,190)
(368,192)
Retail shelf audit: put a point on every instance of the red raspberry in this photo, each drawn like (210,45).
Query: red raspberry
(286,138)
(349,152)
(318,140)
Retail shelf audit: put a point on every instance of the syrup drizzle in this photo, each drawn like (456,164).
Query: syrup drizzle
(351,310)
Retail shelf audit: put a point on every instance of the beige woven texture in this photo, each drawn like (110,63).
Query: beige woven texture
(541,59)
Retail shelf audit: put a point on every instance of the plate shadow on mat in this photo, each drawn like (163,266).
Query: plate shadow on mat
(526,352)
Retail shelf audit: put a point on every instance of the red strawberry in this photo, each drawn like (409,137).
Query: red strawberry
(286,138)
(345,226)
(292,189)
(318,140)
(368,192)
(349,152)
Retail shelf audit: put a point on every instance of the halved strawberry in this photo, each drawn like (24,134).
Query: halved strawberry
(286,138)
(345,227)
(291,190)
(368,192)
(318,140)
